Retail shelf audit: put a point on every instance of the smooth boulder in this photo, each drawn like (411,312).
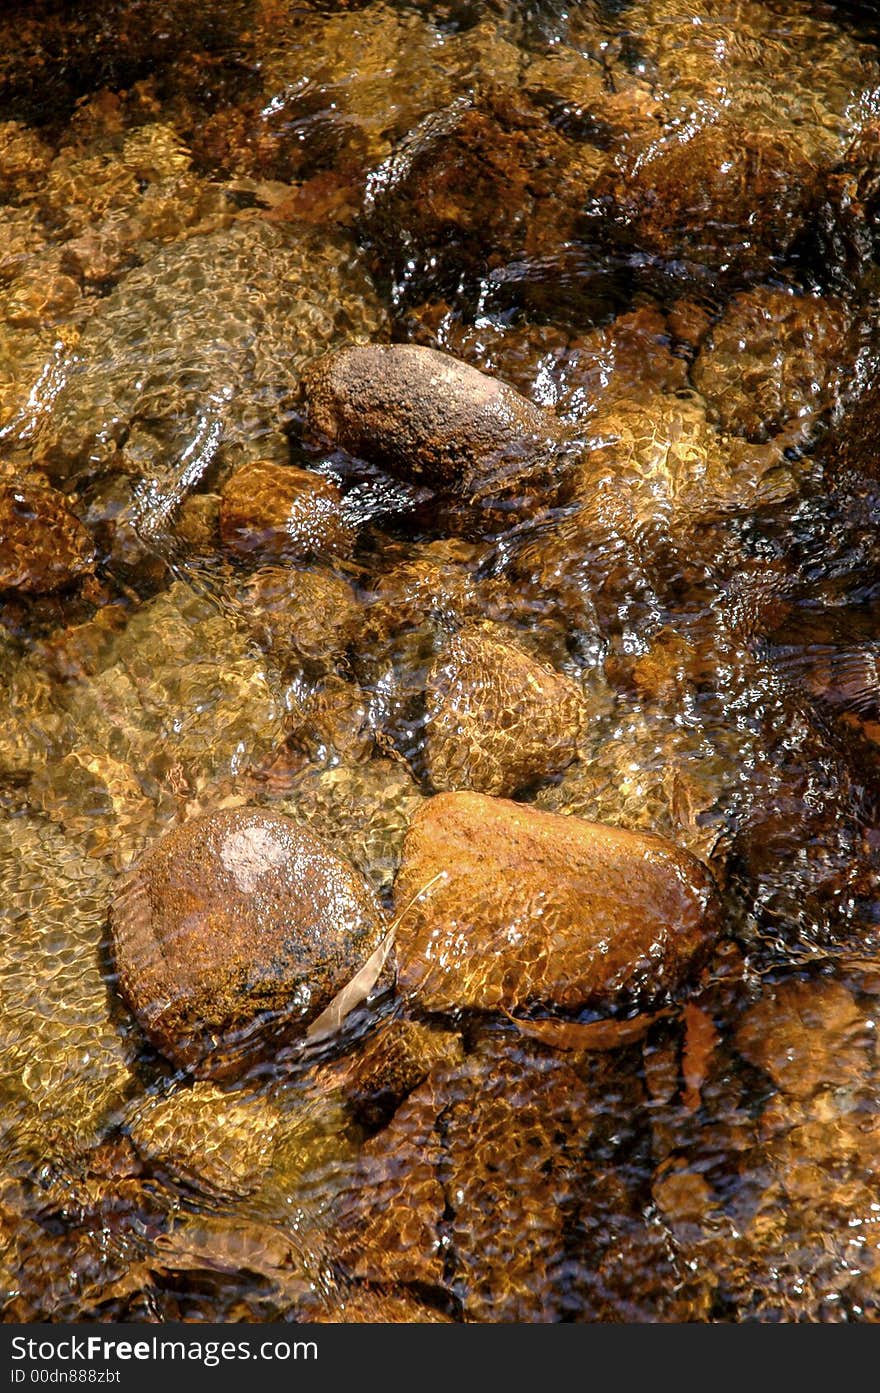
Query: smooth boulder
(531,907)
(426,417)
(235,929)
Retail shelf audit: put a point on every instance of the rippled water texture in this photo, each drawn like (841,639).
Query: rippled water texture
(650,603)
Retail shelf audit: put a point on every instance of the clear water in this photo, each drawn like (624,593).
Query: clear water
(656,219)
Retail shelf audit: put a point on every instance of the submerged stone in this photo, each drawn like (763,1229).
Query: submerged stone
(43,545)
(475,183)
(806,1036)
(232,1142)
(390,1064)
(191,361)
(531,907)
(309,616)
(65,1065)
(729,198)
(773,359)
(362,807)
(496,719)
(274,512)
(484,1172)
(235,928)
(154,711)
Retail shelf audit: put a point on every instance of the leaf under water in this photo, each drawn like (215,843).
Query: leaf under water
(364,980)
(591,1035)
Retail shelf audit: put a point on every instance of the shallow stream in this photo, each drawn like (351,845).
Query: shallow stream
(659,221)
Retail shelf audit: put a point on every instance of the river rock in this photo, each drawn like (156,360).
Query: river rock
(425,416)
(235,926)
(852,446)
(156,710)
(390,1064)
(673,469)
(535,907)
(367,1306)
(362,807)
(478,182)
(773,358)
(485,1169)
(806,1036)
(216,1142)
(411,610)
(230,1142)
(65,1064)
(654,491)
(43,545)
(496,719)
(731,198)
(275,512)
(310,616)
(23,155)
(573,372)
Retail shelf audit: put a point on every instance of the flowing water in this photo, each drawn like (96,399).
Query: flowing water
(658,219)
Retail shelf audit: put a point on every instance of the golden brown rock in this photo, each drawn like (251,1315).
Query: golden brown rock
(275,512)
(807,1036)
(390,1064)
(43,545)
(731,197)
(772,359)
(480,1174)
(369,1306)
(536,907)
(23,155)
(425,416)
(233,928)
(477,182)
(496,719)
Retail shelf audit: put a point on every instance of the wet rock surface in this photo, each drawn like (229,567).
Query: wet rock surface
(190,362)
(472,1187)
(425,416)
(773,359)
(233,927)
(730,197)
(475,678)
(530,907)
(66,1061)
(561,320)
(307,615)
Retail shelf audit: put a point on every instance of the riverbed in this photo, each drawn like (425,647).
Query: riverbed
(653,609)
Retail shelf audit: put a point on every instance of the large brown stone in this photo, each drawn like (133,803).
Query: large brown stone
(807,1035)
(43,545)
(425,416)
(473,185)
(852,446)
(496,718)
(235,927)
(535,907)
(306,615)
